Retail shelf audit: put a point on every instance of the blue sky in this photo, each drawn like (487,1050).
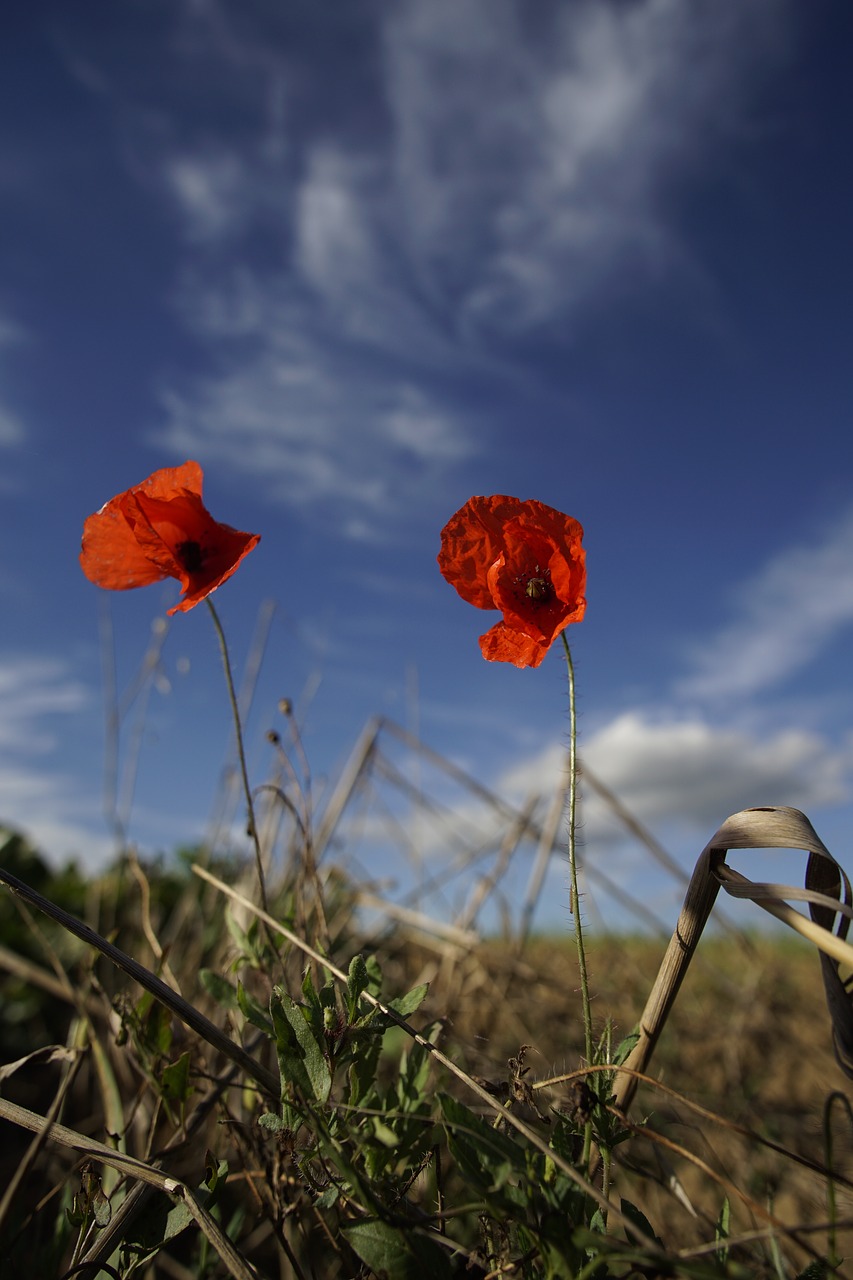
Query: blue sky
(363,261)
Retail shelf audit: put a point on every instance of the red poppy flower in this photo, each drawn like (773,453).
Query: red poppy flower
(162,529)
(523,558)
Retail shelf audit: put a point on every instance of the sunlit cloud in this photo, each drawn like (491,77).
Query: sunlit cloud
(665,770)
(689,771)
(784,618)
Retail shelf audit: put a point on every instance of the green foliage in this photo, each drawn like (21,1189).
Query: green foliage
(389,1252)
(373,1160)
(163,1221)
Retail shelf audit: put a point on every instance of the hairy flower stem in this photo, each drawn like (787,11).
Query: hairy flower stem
(573,861)
(573,877)
(235,711)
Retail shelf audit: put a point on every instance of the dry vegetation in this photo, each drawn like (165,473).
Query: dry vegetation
(234,1097)
(749,1040)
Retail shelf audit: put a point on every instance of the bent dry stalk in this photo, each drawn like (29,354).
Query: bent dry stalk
(768,827)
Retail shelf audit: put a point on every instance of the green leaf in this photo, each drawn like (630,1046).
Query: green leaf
(722,1231)
(384,1133)
(159,1223)
(153,1025)
(329,1198)
(639,1219)
(101,1209)
(214,1170)
(311,998)
(329,995)
(175,1079)
(412,1078)
(301,1058)
(597,1223)
(244,943)
(395,1254)
(362,1071)
(624,1047)
(408,1003)
(251,1010)
(272,1123)
(162,1220)
(220,988)
(484,1155)
(374,972)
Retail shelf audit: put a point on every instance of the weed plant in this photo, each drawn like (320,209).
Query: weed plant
(402,1116)
(213,1067)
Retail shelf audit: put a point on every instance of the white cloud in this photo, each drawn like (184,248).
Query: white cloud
(334,246)
(494,170)
(307,418)
(788,613)
(353,256)
(684,772)
(32,690)
(416,426)
(534,158)
(11,429)
(210,193)
(689,770)
(38,795)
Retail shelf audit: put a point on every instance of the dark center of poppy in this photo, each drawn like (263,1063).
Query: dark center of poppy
(191,556)
(537,589)
(536,585)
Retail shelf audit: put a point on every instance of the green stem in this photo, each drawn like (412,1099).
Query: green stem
(574,902)
(241,754)
(573,861)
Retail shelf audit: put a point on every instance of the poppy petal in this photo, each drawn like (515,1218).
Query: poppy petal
(525,559)
(471,541)
(505,644)
(162,529)
(111,556)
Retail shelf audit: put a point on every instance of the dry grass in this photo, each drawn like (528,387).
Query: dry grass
(745,1060)
(749,1039)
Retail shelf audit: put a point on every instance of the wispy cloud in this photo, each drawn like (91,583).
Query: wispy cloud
(535,158)
(12,430)
(784,618)
(210,193)
(38,793)
(316,428)
(344,264)
(32,690)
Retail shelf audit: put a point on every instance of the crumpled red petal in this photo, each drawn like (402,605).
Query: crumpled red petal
(493,549)
(503,644)
(161,529)
(471,541)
